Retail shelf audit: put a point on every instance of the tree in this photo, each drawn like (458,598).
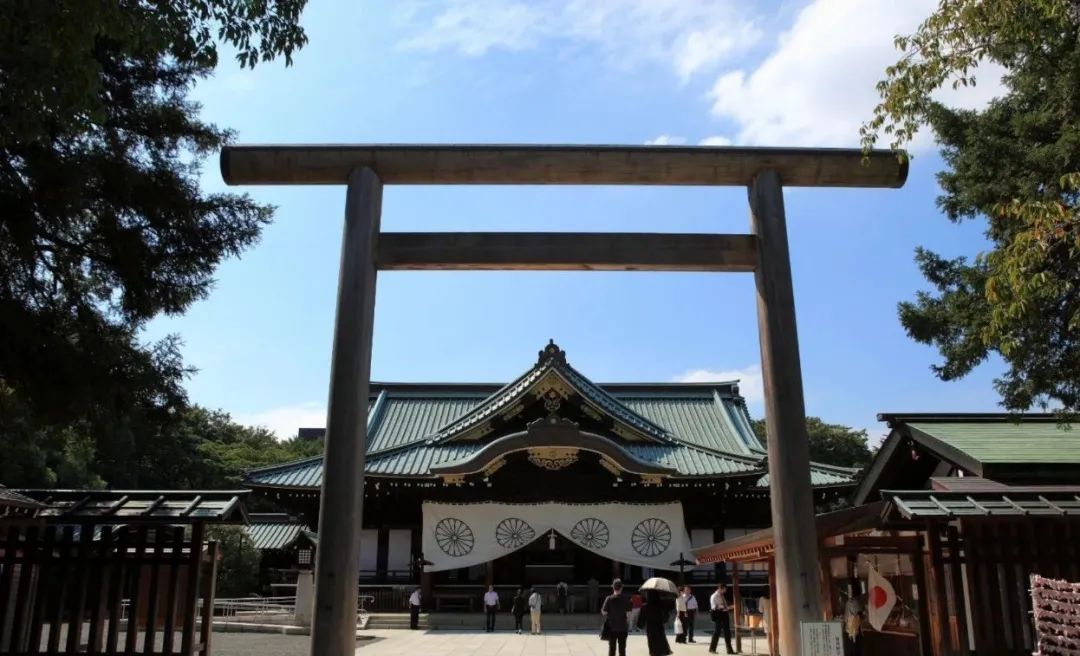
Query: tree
(1014,164)
(102,222)
(831,444)
(238,571)
(196,449)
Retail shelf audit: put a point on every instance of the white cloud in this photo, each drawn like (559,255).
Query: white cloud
(749,377)
(284,420)
(716,140)
(689,35)
(818,85)
(666,140)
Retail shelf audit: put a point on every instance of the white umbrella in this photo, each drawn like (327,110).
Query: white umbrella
(661,585)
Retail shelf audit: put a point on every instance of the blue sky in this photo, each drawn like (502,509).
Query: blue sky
(603,71)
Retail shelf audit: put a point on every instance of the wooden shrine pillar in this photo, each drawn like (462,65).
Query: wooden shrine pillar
(937,601)
(774,641)
(736,597)
(798,586)
(333,631)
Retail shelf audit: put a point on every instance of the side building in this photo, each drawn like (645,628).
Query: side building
(549,478)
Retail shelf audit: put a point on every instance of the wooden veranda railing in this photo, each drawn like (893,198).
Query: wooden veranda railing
(106,589)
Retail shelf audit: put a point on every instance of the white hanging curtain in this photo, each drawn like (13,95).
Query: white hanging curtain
(462,535)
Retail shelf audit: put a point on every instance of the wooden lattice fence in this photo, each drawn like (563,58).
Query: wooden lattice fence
(105,589)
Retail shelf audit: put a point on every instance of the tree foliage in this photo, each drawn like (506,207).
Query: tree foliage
(238,570)
(831,444)
(102,222)
(1014,164)
(194,449)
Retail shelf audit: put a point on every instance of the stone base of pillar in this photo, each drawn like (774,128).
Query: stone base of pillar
(305,597)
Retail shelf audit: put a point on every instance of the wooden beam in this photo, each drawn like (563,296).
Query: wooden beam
(333,631)
(545,251)
(798,581)
(567,165)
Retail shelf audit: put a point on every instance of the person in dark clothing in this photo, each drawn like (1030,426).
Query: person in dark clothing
(519,608)
(653,618)
(718,608)
(616,609)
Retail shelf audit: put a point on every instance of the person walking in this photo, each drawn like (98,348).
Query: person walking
(616,611)
(561,592)
(691,614)
(653,618)
(536,606)
(635,611)
(680,616)
(491,606)
(718,609)
(414,609)
(518,608)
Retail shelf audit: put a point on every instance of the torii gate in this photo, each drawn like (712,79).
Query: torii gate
(366,250)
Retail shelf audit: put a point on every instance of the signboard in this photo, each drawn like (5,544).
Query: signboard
(822,638)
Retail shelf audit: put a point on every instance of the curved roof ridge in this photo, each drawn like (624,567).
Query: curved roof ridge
(552,358)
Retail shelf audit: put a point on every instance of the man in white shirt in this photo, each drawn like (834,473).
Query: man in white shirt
(680,613)
(691,614)
(718,608)
(414,609)
(536,604)
(491,606)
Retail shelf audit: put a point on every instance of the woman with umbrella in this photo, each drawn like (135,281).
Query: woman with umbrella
(655,613)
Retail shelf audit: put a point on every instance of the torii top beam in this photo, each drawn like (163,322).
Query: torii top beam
(490,164)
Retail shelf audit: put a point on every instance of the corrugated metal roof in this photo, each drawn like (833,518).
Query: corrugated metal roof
(273,534)
(1007,442)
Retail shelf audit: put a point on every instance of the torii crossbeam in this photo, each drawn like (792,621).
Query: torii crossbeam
(366,250)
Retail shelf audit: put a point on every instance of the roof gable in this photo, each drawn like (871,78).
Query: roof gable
(552,382)
(995,446)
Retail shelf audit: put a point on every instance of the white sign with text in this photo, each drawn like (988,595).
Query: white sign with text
(822,638)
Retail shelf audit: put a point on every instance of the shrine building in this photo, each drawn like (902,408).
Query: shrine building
(549,478)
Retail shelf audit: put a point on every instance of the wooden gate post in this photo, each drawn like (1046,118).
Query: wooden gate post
(338,557)
(798,586)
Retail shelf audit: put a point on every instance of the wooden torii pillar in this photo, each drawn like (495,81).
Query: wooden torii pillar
(366,250)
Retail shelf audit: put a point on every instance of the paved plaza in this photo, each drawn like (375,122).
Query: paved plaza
(391,642)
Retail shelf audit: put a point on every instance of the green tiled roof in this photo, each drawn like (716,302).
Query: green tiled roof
(273,530)
(823,475)
(405,419)
(695,429)
(704,421)
(1029,442)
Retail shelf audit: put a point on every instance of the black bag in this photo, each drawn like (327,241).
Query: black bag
(605,631)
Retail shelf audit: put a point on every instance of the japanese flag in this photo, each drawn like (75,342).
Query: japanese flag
(880,599)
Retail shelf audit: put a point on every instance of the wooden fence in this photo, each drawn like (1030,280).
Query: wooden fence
(105,589)
(992,561)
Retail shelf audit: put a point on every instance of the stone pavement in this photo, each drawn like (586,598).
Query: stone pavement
(478,643)
(391,642)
